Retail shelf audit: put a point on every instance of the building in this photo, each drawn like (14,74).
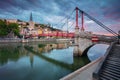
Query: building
(31,23)
(32,30)
(11,21)
(21,23)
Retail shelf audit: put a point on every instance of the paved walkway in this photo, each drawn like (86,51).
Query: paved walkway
(84,73)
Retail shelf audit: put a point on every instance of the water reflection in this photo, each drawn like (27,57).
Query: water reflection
(97,51)
(8,52)
(48,47)
(38,61)
(61,56)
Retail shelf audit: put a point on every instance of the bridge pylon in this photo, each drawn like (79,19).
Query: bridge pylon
(76,50)
(80,42)
(82,21)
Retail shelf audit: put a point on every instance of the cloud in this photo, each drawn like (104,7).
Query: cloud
(115,27)
(112,9)
(52,11)
(89,22)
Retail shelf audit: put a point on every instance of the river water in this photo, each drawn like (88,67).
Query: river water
(36,61)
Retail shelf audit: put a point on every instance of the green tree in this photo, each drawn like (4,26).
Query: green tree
(6,29)
(3,28)
(13,27)
(42,25)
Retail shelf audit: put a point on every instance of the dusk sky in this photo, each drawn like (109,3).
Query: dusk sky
(52,11)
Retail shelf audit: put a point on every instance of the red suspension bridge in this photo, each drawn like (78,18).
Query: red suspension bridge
(67,33)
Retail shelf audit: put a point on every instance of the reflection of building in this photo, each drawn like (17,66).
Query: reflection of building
(31,59)
(50,47)
(62,46)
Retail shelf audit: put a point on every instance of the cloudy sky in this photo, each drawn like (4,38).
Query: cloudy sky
(54,12)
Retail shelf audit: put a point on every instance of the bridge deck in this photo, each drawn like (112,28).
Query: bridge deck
(111,67)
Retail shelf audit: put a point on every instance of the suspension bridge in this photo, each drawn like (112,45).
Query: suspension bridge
(85,39)
(109,67)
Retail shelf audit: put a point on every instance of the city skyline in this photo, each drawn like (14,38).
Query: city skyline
(52,11)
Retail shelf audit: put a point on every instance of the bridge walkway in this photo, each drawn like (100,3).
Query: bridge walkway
(111,67)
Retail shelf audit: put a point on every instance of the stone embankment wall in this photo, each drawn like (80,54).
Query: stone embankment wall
(33,40)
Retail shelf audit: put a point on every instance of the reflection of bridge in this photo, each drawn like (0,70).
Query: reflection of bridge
(72,67)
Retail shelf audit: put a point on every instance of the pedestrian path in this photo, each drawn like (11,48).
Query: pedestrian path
(84,73)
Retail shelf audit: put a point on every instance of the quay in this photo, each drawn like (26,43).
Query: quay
(106,67)
(84,73)
(109,69)
(34,40)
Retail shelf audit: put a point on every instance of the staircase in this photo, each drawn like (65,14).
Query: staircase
(111,67)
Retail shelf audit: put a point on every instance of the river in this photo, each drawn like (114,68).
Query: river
(36,61)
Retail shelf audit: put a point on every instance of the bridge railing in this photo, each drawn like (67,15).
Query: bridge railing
(107,39)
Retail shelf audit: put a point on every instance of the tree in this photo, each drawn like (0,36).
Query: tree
(10,28)
(42,25)
(3,28)
(13,27)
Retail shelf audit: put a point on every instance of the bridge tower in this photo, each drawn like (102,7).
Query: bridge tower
(82,19)
(76,50)
(76,27)
(81,43)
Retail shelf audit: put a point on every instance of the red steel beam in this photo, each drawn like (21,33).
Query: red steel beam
(76,17)
(82,19)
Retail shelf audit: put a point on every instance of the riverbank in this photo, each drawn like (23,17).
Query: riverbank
(84,73)
(33,40)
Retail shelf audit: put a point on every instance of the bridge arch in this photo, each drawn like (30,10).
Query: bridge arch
(89,47)
(96,51)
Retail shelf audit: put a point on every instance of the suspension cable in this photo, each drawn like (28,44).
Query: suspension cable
(71,25)
(99,23)
(68,16)
(67,19)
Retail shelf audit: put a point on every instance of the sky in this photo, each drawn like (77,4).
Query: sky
(54,12)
